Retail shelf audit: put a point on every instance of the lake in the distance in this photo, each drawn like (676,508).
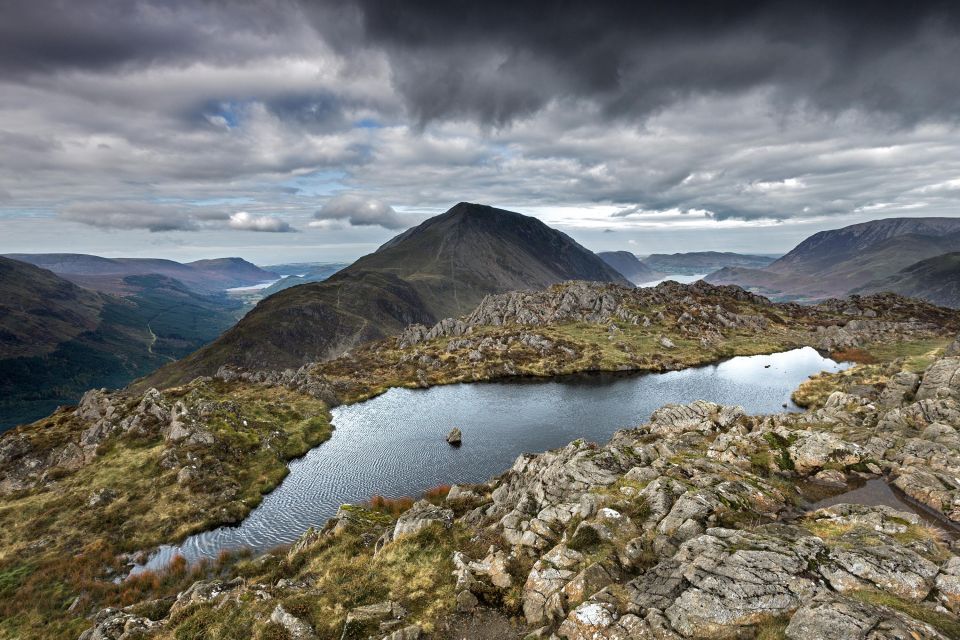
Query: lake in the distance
(682,279)
(394,445)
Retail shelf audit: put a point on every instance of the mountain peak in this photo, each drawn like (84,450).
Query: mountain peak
(441,268)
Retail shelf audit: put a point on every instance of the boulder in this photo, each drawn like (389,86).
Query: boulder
(361,621)
(420,516)
(296,628)
(941,379)
(455,437)
(113,624)
(831,478)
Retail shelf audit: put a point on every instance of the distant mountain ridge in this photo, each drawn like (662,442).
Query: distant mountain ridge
(306,273)
(828,248)
(105,274)
(836,262)
(701,262)
(630,266)
(440,268)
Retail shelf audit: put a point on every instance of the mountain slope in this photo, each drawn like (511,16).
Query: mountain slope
(38,310)
(441,268)
(935,280)
(630,266)
(700,262)
(834,263)
(828,248)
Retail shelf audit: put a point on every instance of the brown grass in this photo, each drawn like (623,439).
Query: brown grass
(853,354)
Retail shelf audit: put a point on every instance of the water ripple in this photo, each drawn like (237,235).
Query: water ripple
(393,445)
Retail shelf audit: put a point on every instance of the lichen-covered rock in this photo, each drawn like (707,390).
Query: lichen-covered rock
(423,514)
(948,584)
(737,579)
(890,567)
(833,618)
(941,379)
(113,624)
(813,450)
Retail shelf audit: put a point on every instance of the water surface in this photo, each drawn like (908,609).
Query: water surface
(876,492)
(394,445)
(676,277)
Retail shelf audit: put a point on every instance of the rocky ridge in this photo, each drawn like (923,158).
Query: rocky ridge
(702,314)
(693,525)
(702,310)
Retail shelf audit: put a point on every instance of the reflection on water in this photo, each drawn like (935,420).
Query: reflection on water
(394,445)
(876,492)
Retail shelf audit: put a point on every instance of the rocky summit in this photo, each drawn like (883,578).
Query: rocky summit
(696,524)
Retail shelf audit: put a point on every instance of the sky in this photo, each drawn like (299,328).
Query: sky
(296,130)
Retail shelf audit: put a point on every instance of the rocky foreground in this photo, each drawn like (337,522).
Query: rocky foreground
(88,489)
(693,525)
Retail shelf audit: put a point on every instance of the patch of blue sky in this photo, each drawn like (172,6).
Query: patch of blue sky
(368,123)
(215,202)
(27,212)
(318,183)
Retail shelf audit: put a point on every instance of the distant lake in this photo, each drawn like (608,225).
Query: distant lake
(393,445)
(676,278)
(254,287)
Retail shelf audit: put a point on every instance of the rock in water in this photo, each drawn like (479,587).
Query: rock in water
(455,437)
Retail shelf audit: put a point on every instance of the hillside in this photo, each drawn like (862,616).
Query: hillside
(837,262)
(107,274)
(829,248)
(630,266)
(58,339)
(700,262)
(443,267)
(936,280)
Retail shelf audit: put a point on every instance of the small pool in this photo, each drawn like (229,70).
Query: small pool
(394,445)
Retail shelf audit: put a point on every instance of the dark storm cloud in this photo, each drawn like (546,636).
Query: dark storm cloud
(51,35)
(497,61)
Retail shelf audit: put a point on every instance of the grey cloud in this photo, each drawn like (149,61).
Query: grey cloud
(752,111)
(168,217)
(39,36)
(135,215)
(498,61)
(362,211)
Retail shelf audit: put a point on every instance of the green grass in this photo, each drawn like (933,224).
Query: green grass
(55,547)
(946,624)
(918,353)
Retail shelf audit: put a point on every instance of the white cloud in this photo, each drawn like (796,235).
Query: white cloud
(247,222)
(362,211)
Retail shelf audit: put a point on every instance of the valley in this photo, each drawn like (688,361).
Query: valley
(73,322)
